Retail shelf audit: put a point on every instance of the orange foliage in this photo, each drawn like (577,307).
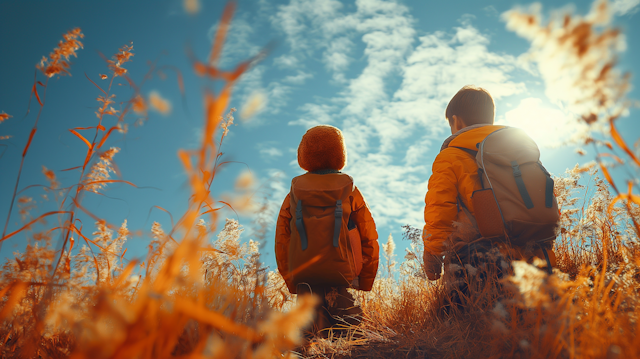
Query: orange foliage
(158,103)
(4,117)
(139,106)
(57,63)
(123,55)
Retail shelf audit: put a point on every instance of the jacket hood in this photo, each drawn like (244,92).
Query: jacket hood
(322,148)
(470,136)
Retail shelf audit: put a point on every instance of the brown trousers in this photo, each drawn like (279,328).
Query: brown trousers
(336,311)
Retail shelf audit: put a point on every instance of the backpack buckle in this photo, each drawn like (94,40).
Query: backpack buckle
(516,169)
(338,212)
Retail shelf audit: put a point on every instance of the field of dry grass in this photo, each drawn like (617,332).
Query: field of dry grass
(200,292)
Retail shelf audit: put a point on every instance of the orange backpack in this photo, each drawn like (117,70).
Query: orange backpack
(516,202)
(325,246)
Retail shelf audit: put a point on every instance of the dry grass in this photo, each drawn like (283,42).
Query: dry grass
(589,308)
(194,296)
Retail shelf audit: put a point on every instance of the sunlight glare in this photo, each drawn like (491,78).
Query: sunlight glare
(549,127)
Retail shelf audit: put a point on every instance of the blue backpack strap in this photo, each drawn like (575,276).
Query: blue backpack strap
(467,150)
(517,174)
(304,242)
(338,223)
(548,192)
(473,153)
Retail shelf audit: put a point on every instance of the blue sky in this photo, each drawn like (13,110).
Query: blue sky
(381,70)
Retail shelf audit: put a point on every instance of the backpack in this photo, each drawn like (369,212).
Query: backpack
(325,246)
(516,203)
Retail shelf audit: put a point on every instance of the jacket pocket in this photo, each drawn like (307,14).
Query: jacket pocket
(487,213)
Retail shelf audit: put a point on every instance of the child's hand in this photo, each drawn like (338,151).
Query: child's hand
(432,266)
(355,283)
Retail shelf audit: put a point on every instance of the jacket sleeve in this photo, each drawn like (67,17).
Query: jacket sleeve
(441,208)
(283,237)
(361,215)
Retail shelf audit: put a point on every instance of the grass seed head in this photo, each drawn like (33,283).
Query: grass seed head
(57,62)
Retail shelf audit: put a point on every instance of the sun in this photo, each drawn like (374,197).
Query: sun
(548,126)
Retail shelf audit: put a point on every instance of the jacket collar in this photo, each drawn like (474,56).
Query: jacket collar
(324,172)
(469,136)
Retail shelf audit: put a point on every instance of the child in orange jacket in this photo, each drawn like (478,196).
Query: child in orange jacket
(326,239)
(454,179)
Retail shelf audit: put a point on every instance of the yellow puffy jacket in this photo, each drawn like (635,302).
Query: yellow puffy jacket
(360,214)
(454,177)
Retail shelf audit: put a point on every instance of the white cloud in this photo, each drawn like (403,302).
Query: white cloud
(299,78)
(417,152)
(336,57)
(286,61)
(490,11)
(277,96)
(466,19)
(624,7)
(300,18)
(395,192)
(268,151)
(272,191)
(315,114)
(388,37)
(309,25)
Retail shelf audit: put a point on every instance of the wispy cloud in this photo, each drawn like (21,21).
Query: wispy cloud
(315,114)
(269,150)
(336,58)
(490,11)
(624,7)
(286,61)
(299,78)
(301,20)
(238,45)
(273,188)
(275,94)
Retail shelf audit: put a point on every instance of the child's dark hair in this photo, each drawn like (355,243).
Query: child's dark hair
(473,104)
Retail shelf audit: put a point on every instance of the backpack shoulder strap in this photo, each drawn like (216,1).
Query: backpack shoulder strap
(337,227)
(304,242)
(548,197)
(473,153)
(517,175)
(469,151)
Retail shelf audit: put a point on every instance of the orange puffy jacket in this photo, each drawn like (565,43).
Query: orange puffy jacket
(455,176)
(360,214)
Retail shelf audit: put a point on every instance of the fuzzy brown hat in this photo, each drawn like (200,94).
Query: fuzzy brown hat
(322,148)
